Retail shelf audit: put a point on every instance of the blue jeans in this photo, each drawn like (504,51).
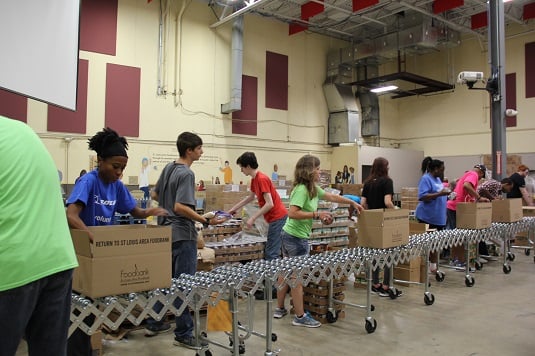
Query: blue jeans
(146,196)
(184,261)
(293,246)
(40,312)
(451,219)
(272,250)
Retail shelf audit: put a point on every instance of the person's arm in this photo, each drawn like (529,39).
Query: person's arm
(186,211)
(144,213)
(343,200)
(296,213)
(364,203)
(525,195)
(260,212)
(388,201)
(472,192)
(73,218)
(241,203)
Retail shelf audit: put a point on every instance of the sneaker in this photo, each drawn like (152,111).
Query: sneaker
(380,291)
(488,258)
(482,260)
(306,321)
(189,342)
(155,329)
(279,313)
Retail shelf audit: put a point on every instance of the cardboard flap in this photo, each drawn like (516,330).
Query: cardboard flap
(80,240)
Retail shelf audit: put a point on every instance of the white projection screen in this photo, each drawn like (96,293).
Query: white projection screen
(39,42)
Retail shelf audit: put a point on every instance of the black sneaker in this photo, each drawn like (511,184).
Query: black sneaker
(380,291)
(155,329)
(189,342)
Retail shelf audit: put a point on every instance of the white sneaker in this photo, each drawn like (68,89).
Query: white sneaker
(482,260)
(279,313)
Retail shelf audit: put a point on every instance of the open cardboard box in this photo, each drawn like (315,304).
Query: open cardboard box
(122,259)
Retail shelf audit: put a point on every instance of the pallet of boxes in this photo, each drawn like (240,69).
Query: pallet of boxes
(413,271)
(327,237)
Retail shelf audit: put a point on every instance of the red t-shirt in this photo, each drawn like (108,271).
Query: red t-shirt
(261,184)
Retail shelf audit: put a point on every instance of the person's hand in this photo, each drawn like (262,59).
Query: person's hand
(158,212)
(217,220)
(249,223)
(326,218)
(358,208)
(445,191)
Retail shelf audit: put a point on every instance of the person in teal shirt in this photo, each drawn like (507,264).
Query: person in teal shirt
(36,252)
(304,200)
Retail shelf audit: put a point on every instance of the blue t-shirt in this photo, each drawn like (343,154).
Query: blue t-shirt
(101,199)
(431,211)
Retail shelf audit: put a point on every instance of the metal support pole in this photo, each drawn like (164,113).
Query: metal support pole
(497,87)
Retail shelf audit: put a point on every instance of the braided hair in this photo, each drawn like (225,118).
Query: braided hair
(108,143)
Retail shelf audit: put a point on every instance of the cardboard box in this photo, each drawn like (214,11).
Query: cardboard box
(352,237)
(507,210)
(474,215)
(528,210)
(406,274)
(417,228)
(383,228)
(122,259)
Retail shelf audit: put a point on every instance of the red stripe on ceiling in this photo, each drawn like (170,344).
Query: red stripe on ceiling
(122,99)
(98,26)
(440,6)
(529,11)
(294,28)
(510,98)
(310,9)
(13,105)
(362,4)
(63,120)
(245,121)
(479,20)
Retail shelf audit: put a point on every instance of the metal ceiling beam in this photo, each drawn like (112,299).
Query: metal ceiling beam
(453,25)
(250,5)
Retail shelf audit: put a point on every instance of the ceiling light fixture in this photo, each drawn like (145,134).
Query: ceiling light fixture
(383,89)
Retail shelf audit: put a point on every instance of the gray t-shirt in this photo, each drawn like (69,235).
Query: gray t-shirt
(177,185)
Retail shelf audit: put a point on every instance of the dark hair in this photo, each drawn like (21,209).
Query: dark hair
(247,159)
(187,140)
(425,164)
(108,143)
(434,164)
(304,173)
(507,181)
(379,169)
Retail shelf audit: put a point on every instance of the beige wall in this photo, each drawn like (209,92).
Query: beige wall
(197,65)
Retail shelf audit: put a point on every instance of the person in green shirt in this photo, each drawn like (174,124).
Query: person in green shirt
(36,252)
(304,199)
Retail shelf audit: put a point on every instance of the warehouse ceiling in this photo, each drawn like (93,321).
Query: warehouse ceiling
(336,18)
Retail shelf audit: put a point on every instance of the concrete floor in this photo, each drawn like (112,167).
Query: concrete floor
(494,317)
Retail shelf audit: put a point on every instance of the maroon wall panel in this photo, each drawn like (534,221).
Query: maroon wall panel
(98,26)
(530,69)
(245,121)
(122,99)
(276,81)
(14,106)
(510,98)
(63,120)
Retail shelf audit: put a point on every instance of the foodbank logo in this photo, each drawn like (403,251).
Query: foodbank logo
(135,275)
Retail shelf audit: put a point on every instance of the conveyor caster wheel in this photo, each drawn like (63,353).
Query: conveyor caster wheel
(439,276)
(332,318)
(479,265)
(273,337)
(370,328)
(506,269)
(429,299)
(372,307)
(241,348)
(469,281)
(510,256)
(527,251)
